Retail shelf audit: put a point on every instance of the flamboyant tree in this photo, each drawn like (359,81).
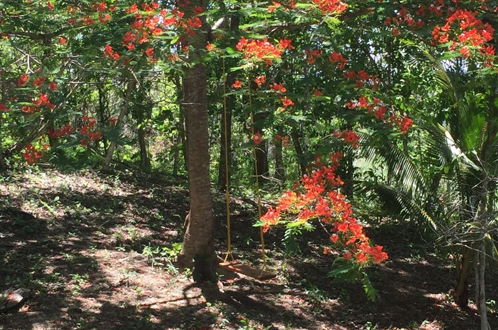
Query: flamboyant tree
(323,76)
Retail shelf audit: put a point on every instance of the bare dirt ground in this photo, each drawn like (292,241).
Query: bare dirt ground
(95,250)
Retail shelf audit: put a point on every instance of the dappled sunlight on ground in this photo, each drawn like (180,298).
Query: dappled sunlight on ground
(96,251)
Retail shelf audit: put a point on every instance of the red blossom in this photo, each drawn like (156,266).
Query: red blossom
(32,154)
(237,84)
(260,80)
(149,52)
(259,49)
(278,87)
(210,46)
(38,82)
(101,6)
(274,6)
(287,102)
(336,57)
(313,54)
(349,137)
(109,52)
(406,124)
(286,44)
(317,198)
(257,138)
(22,80)
(330,6)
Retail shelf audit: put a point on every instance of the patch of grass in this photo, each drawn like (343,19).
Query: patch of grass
(78,281)
(163,256)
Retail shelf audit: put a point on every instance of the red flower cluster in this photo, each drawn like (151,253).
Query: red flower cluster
(349,137)
(287,102)
(32,154)
(22,80)
(150,55)
(260,50)
(336,57)
(362,78)
(278,87)
(404,124)
(286,4)
(237,84)
(88,130)
(43,100)
(312,55)
(257,138)
(469,32)
(3,108)
(283,139)
(210,46)
(38,82)
(109,52)
(379,109)
(260,80)
(318,198)
(64,130)
(29,109)
(403,16)
(330,6)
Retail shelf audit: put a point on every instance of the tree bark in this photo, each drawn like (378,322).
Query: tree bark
(101,110)
(261,169)
(198,242)
(299,151)
(144,153)
(483,309)
(279,161)
(182,125)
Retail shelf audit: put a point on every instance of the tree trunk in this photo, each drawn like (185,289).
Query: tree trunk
(101,110)
(144,154)
(181,120)
(481,302)
(198,242)
(176,155)
(261,169)
(461,294)
(279,161)
(299,151)
(348,175)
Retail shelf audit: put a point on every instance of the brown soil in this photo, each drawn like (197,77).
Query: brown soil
(96,253)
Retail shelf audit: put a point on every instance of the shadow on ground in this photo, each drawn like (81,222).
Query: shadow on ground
(94,251)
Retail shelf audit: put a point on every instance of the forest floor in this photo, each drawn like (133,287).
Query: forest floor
(96,252)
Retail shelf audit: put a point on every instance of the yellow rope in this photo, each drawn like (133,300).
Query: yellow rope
(228,254)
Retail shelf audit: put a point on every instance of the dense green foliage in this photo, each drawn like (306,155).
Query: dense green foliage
(406,92)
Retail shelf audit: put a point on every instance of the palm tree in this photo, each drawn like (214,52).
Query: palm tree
(453,188)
